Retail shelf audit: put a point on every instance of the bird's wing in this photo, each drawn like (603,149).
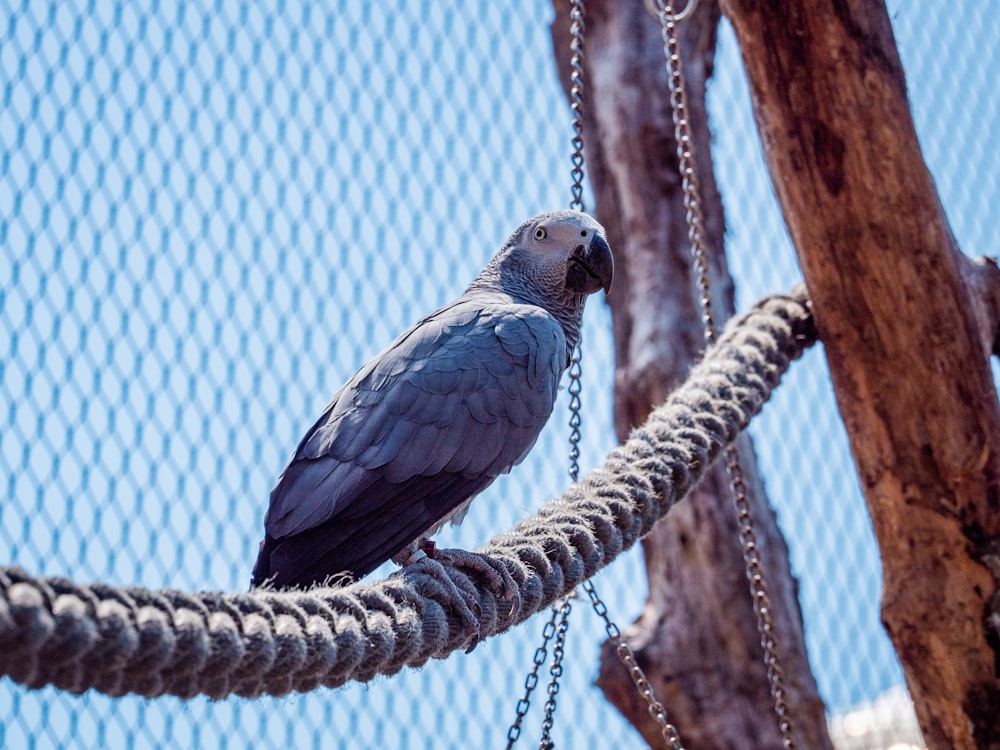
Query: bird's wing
(455,401)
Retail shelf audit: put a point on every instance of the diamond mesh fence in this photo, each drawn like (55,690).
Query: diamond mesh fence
(212,213)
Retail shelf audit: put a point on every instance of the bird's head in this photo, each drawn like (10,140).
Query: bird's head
(558,255)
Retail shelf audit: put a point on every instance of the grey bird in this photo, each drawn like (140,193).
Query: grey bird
(431,421)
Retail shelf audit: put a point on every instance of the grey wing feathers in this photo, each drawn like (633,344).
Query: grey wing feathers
(460,398)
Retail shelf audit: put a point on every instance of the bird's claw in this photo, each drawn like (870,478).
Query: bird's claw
(493,570)
(465,603)
(429,559)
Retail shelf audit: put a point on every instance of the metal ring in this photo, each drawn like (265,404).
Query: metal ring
(652,7)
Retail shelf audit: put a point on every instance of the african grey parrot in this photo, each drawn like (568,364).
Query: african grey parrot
(455,401)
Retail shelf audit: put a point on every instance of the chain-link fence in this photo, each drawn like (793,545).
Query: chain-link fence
(212,213)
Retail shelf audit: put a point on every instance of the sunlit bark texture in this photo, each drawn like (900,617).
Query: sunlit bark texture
(908,325)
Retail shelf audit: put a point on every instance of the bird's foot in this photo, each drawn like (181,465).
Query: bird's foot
(428,558)
(494,571)
(464,602)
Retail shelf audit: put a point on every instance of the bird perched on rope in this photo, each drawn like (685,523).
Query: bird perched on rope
(431,421)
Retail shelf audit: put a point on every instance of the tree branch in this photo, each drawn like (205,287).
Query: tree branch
(905,345)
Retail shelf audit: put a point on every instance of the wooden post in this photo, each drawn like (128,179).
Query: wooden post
(907,343)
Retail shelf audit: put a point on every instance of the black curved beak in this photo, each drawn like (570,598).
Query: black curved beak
(591,268)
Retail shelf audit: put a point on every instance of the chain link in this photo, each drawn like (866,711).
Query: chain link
(575,421)
(699,256)
(656,710)
(559,621)
(667,730)
(684,14)
(531,681)
(688,168)
(555,671)
(577,31)
(759,597)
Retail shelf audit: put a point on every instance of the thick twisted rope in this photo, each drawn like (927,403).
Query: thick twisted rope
(133,640)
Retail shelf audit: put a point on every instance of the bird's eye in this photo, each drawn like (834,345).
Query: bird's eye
(540,233)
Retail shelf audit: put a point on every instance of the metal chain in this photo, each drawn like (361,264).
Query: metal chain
(560,611)
(531,681)
(667,730)
(555,671)
(656,710)
(577,32)
(759,597)
(699,254)
(688,168)
(692,4)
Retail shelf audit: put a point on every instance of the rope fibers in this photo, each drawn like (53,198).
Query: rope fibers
(79,637)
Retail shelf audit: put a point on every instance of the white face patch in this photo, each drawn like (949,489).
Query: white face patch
(550,260)
(559,232)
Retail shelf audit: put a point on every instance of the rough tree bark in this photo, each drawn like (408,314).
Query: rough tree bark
(908,324)
(697,637)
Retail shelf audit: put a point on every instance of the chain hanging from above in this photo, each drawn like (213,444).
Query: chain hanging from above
(577,33)
(555,671)
(558,624)
(699,256)
(531,681)
(624,651)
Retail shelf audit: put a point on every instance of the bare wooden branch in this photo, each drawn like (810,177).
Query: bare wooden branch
(906,347)
(982,278)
